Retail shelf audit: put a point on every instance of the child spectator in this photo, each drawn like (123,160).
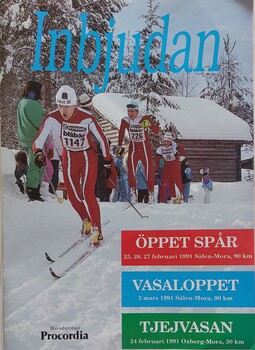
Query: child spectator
(123,190)
(57,152)
(111,180)
(186,178)
(21,170)
(141,183)
(206,184)
(48,168)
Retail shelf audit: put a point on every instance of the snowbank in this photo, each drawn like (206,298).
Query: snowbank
(89,297)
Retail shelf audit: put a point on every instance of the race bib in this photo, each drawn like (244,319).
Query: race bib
(75,137)
(168,154)
(136,133)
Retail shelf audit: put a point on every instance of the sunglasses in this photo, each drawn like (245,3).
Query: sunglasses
(131,106)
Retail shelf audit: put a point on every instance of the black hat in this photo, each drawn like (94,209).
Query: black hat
(21,157)
(35,87)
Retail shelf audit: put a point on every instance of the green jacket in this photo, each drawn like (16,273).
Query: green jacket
(30,116)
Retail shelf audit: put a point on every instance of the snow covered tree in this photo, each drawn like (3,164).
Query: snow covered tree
(19,26)
(155,88)
(120,82)
(228,86)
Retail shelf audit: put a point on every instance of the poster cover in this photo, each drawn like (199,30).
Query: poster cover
(169,274)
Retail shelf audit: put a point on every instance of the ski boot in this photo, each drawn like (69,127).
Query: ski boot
(178,200)
(97,237)
(86,228)
(34,194)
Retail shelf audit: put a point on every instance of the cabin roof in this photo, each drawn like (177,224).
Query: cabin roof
(196,118)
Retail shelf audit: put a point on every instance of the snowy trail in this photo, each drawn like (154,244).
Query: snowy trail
(89,297)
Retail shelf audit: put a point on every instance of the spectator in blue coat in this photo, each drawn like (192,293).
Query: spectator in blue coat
(123,193)
(141,183)
(186,178)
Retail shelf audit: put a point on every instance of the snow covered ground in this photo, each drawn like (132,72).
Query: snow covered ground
(89,297)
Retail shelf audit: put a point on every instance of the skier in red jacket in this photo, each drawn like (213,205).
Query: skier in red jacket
(168,166)
(138,127)
(75,127)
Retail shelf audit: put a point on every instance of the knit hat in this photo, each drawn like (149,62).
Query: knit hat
(168,136)
(133,104)
(66,96)
(85,101)
(119,151)
(203,171)
(21,157)
(33,87)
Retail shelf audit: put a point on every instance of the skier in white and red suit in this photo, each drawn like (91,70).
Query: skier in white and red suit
(168,166)
(75,127)
(138,127)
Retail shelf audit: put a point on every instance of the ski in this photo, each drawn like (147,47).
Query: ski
(75,263)
(72,246)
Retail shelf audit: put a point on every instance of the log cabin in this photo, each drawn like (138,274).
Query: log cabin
(211,135)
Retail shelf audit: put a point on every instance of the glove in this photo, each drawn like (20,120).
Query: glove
(146,124)
(157,175)
(107,164)
(40,159)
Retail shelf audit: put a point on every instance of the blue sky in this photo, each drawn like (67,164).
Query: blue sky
(233,17)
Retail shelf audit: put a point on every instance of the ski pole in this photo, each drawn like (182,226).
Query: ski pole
(124,195)
(60,200)
(24,184)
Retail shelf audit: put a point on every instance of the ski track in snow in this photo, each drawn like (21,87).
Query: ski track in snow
(89,297)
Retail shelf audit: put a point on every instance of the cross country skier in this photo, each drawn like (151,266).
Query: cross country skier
(138,127)
(169,166)
(75,127)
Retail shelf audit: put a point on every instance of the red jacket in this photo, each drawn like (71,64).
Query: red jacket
(138,130)
(75,133)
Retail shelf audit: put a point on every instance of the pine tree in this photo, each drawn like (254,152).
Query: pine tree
(120,82)
(154,88)
(19,29)
(228,86)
